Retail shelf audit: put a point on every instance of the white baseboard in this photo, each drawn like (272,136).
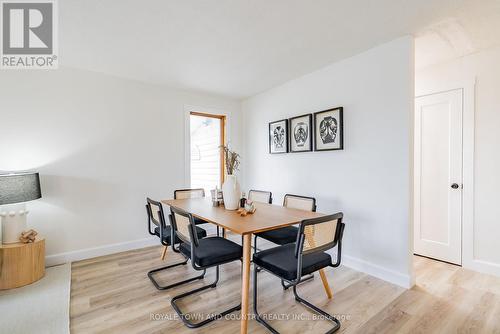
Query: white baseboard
(371,269)
(482,266)
(82,254)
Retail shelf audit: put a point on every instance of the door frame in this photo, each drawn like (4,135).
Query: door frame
(468,126)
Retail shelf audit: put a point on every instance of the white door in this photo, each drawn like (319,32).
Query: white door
(438,176)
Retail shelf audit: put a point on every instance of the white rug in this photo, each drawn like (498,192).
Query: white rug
(42,307)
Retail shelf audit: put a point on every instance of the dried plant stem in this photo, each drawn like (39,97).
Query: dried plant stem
(232,160)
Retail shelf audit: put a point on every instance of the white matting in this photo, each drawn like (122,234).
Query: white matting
(42,307)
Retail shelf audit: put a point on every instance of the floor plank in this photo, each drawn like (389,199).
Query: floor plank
(112,294)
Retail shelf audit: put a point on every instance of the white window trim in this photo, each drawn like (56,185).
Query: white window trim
(188,109)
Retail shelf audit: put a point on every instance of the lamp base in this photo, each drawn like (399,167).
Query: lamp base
(13,222)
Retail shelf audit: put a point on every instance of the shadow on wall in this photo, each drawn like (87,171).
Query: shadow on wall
(99,204)
(77,213)
(95,196)
(75,195)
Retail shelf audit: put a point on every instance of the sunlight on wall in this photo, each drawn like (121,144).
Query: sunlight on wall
(26,158)
(24,152)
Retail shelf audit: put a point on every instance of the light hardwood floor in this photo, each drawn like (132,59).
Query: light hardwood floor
(112,294)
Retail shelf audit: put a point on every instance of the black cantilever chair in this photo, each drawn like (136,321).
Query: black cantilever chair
(192,193)
(290,262)
(204,253)
(158,226)
(288,235)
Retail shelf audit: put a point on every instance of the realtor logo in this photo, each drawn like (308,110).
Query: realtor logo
(28,35)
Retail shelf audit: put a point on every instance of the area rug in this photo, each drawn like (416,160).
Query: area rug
(42,307)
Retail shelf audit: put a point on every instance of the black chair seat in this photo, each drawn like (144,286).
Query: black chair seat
(281,261)
(199,221)
(213,250)
(167,237)
(281,236)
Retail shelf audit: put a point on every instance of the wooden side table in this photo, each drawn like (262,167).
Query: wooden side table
(21,264)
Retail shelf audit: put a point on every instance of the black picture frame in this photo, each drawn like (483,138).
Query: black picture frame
(285,137)
(319,144)
(291,133)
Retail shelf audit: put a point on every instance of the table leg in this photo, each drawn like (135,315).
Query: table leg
(164,253)
(245,282)
(328,291)
(310,240)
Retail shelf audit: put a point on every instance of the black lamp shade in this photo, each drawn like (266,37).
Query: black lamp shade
(18,188)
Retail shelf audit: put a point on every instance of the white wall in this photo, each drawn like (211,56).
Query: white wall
(102,144)
(482,251)
(370,179)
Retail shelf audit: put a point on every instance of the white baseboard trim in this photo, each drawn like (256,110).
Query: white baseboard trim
(82,254)
(482,266)
(377,271)
(371,269)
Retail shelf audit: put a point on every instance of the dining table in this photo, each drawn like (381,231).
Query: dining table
(266,217)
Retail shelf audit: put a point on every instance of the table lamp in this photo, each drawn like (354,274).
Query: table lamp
(15,190)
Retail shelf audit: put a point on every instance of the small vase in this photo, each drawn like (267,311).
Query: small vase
(231,192)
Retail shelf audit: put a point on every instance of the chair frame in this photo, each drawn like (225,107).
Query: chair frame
(194,189)
(313,209)
(188,189)
(299,251)
(161,225)
(194,242)
(262,191)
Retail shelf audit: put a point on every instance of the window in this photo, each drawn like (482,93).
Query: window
(207,135)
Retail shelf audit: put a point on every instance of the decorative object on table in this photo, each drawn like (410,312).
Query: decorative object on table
(243,200)
(220,196)
(249,208)
(278,136)
(28,236)
(231,188)
(15,190)
(215,196)
(329,130)
(301,133)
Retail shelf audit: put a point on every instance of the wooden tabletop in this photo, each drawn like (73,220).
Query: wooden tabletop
(266,217)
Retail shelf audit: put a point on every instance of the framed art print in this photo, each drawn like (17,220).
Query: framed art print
(301,133)
(278,136)
(329,130)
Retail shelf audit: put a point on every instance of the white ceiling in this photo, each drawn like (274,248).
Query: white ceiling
(474,27)
(236,48)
